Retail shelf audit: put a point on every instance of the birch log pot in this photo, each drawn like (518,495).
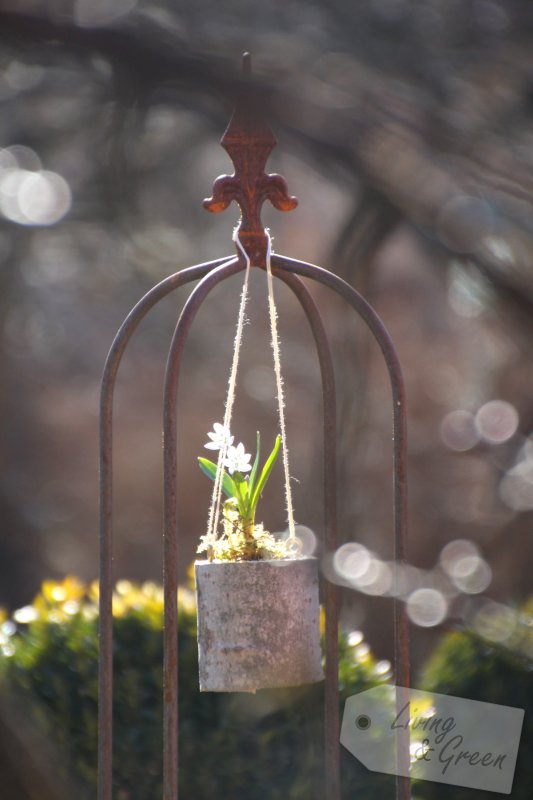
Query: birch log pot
(258,624)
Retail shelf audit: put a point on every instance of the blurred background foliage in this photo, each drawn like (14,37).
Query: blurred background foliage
(257,746)
(405,131)
(237,745)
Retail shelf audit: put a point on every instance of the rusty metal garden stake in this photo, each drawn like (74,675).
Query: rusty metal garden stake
(249,142)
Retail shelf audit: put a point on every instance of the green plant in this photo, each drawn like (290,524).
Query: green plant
(242,539)
(492,662)
(248,747)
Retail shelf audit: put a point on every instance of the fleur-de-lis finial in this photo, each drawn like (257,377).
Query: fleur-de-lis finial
(249,141)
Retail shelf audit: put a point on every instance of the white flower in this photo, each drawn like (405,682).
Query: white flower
(220,436)
(237,460)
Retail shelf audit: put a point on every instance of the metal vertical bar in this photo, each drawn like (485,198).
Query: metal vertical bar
(170,572)
(105,670)
(382,337)
(331,592)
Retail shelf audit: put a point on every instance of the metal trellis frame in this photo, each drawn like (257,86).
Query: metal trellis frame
(249,142)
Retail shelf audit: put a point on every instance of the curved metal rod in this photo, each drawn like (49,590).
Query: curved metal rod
(331,592)
(105,676)
(170,575)
(381,335)
(215,272)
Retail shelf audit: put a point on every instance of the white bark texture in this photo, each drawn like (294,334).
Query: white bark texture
(258,624)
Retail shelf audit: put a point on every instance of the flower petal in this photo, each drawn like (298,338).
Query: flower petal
(220,437)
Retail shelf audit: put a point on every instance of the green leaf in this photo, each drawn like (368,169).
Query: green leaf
(241,493)
(265,474)
(210,469)
(253,473)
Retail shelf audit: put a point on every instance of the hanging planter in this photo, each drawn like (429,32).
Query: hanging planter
(257,599)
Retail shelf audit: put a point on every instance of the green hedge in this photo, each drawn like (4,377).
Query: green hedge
(473,665)
(240,746)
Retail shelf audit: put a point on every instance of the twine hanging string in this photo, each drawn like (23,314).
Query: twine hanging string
(274,337)
(214,511)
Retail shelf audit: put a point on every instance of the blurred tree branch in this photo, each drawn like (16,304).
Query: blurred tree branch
(401,149)
(138,50)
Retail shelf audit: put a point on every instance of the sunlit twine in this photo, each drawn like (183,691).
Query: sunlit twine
(214,511)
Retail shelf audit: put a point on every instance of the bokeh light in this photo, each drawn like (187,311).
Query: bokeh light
(25,615)
(377,578)
(355,638)
(30,195)
(351,561)
(494,621)
(306,538)
(453,553)
(428,593)
(383,668)
(472,574)
(458,430)
(361,569)
(496,421)
(427,607)
(516,487)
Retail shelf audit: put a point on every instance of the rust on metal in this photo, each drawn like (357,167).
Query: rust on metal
(249,141)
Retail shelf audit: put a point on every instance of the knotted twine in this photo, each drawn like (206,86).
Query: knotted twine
(214,511)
